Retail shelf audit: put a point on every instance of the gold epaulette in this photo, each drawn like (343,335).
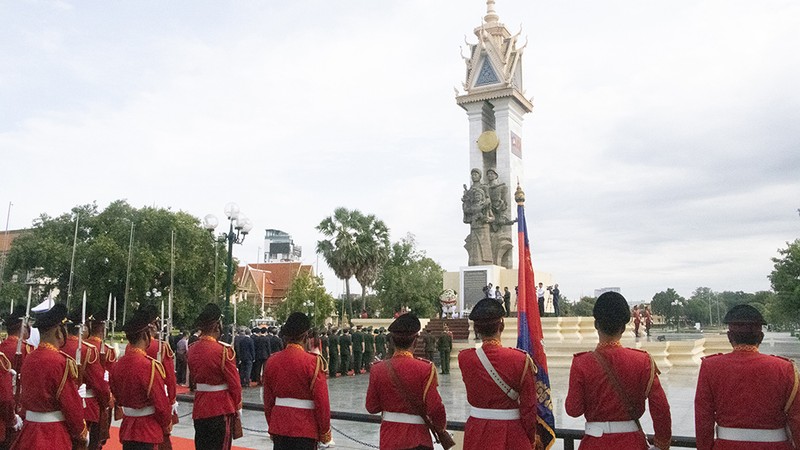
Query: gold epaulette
(228,353)
(111,354)
(155,366)
(168,350)
(711,356)
(29,348)
(4,362)
(70,372)
(580,353)
(322,365)
(431,379)
(91,353)
(795,387)
(528,364)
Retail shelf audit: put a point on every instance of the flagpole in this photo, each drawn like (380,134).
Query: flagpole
(5,252)
(127,279)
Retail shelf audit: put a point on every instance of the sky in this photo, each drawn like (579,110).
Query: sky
(662,152)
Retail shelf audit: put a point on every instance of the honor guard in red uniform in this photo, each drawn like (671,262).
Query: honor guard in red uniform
(167,360)
(138,386)
(750,397)
(501,387)
(218,395)
(295,383)
(91,383)
(53,408)
(610,385)
(402,386)
(108,356)
(8,347)
(9,420)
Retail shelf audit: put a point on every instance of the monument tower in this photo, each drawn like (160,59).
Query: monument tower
(495,103)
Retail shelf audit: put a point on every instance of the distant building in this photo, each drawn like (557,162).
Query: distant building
(268,282)
(279,247)
(601,291)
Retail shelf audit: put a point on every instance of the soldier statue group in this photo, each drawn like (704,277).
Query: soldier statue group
(65,393)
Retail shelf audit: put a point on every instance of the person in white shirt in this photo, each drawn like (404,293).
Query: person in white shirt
(540,298)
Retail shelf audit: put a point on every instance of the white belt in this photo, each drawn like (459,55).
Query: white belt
(389,416)
(597,429)
(139,412)
(44,417)
(294,403)
(493,414)
(88,394)
(752,435)
(211,387)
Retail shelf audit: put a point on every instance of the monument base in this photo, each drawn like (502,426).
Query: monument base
(469,281)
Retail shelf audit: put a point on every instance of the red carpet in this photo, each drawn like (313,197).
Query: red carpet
(177,442)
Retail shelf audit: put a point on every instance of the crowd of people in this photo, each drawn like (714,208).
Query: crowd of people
(72,385)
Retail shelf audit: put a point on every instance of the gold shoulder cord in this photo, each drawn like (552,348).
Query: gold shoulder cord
(652,376)
(316,372)
(794,391)
(4,362)
(70,372)
(431,377)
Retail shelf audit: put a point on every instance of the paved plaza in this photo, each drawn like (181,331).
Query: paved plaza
(348,394)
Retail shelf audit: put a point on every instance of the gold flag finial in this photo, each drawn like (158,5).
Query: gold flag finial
(519,195)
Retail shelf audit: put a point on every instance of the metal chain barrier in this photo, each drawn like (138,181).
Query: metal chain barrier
(353,439)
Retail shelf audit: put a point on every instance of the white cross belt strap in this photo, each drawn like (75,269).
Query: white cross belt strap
(752,435)
(211,387)
(389,416)
(511,393)
(44,417)
(139,412)
(294,403)
(88,394)
(597,429)
(494,414)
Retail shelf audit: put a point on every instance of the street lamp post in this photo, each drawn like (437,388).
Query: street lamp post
(309,304)
(240,225)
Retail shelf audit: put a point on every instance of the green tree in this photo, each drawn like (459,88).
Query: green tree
(668,303)
(308,295)
(703,306)
(410,279)
(373,244)
(583,307)
(340,250)
(785,280)
(101,256)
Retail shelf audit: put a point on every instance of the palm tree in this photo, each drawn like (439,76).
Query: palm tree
(373,243)
(340,250)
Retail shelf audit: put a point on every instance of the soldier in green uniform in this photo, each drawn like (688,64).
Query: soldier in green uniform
(369,348)
(345,342)
(445,345)
(430,344)
(380,343)
(333,350)
(358,349)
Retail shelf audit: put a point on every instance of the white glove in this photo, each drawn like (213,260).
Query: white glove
(17,422)
(328,444)
(240,413)
(82,390)
(13,380)
(105,376)
(175,408)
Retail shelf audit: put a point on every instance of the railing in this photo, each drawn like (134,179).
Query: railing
(568,436)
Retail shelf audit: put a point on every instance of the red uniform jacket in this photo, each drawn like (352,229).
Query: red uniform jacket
(9,348)
(746,389)
(48,384)
(93,376)
(419,376)
(593,396)
(109,357)
(518,371)
(213,362)
(138,382)
(168,361)
(6,397)
(295,373)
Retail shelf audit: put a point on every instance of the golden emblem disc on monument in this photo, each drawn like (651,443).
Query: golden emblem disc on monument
(488,141)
